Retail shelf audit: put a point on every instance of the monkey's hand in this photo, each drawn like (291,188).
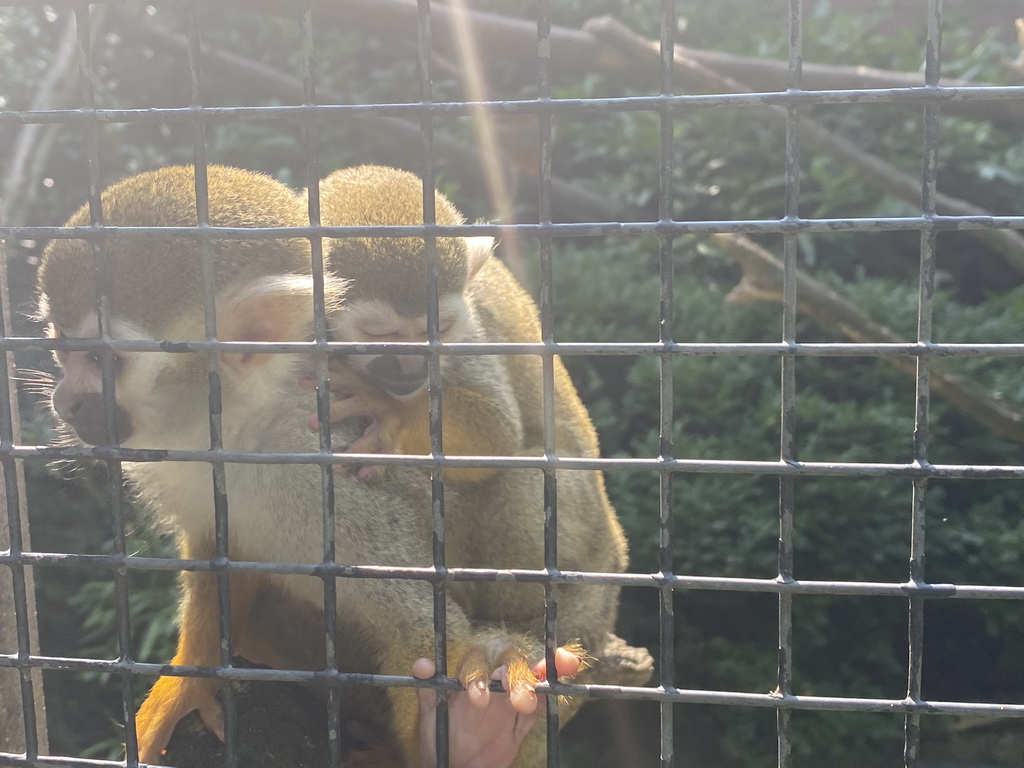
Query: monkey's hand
(170,700)
(371,441)
(485,730)
(353,397)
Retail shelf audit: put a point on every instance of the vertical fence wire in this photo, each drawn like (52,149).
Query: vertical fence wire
(424,49)
(215,406)
(666,602)
(547,309)
(102,279)
(16,539)
(311,146)
(787,428)
(929,173)
(16,534)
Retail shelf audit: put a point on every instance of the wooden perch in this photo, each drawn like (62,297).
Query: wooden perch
(1006,242)
(762,280)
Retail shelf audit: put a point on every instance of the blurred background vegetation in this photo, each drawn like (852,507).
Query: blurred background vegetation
(728,163)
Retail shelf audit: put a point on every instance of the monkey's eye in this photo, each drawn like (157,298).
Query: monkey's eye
(381,331)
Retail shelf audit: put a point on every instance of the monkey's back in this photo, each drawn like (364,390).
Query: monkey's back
(509,314)
(589,534)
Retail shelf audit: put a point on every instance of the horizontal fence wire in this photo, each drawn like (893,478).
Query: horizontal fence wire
(632,693)
(936,222)
(558,106)
(667,105)
(526,576)
(635,349)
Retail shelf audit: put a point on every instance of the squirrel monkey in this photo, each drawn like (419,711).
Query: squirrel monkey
(492,405)
(264,292)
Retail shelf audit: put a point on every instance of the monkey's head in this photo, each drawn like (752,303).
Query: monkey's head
(154,290)
(387,295)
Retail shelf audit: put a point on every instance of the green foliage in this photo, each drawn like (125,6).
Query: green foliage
(846,529)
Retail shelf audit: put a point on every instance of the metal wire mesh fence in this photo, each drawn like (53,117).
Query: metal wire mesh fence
(791,105)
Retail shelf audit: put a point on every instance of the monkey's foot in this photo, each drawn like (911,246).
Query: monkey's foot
(485,730)
(495,659)
(349,407)
(369,442)
(170,700)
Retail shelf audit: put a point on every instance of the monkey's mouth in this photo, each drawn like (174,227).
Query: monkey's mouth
(402,388)
(399,375)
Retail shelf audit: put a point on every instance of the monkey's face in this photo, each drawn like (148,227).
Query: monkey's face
(141,383)
(401,375)
(162,399)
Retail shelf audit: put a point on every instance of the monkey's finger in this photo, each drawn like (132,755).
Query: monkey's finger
(567,664)
(369,472)
(519,681)
(340,410)
(473,673)
(347,408)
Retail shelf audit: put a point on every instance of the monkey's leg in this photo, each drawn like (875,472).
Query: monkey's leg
(198,645)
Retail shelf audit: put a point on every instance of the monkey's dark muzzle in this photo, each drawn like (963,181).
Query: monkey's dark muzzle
(399,375)
(85,414)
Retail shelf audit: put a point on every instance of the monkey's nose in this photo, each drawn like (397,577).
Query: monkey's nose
(399,374)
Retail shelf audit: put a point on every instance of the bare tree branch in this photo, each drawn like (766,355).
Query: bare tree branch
(513,42)
(772,75)
(762,280)
(1007,243)
(572,202)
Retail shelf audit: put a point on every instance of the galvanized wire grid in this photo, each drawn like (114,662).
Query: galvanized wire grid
(916,589)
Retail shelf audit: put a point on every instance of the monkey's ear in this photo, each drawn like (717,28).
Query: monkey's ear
(273,308)
(478,251)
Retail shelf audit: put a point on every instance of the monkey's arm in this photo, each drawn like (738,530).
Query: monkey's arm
(198,645)
(472,423)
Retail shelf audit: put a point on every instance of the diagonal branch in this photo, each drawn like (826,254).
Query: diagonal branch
(762,280)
